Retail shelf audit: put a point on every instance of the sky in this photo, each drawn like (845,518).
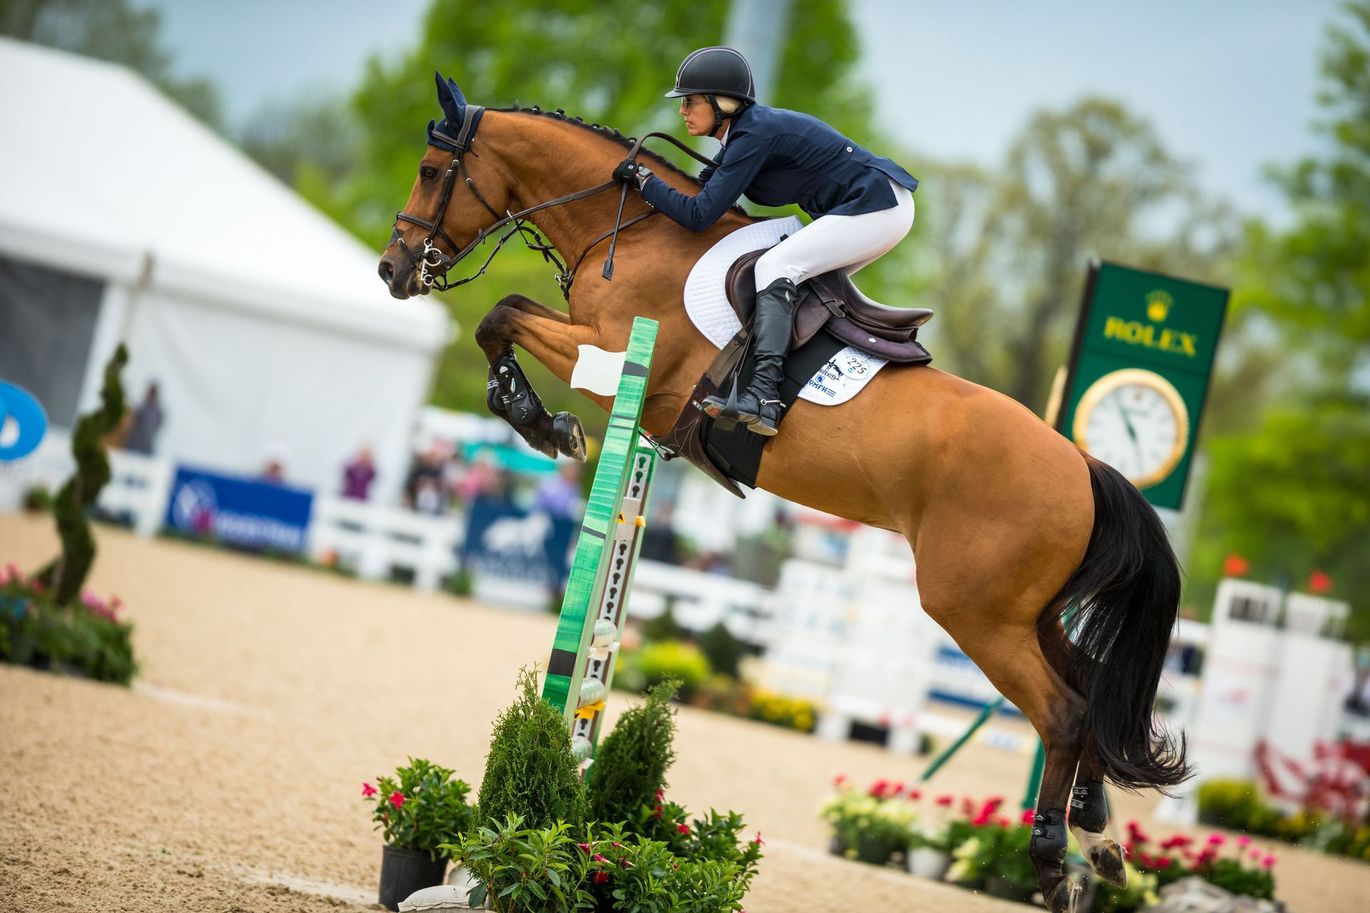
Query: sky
(1230,85)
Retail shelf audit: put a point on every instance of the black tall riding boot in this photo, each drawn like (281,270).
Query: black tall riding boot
(759,406)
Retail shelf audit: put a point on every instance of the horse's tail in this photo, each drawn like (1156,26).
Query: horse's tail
(1116,612)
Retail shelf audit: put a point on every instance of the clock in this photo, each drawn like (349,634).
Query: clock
(1136,421)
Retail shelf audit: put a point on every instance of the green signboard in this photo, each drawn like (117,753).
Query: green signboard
(1138,376)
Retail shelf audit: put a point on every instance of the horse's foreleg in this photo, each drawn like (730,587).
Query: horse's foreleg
(550,337)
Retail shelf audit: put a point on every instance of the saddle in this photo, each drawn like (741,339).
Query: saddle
(831,302)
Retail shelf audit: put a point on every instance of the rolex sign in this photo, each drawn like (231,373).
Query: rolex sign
(1139,372)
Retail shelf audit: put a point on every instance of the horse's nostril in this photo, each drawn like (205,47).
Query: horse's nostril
(387,271)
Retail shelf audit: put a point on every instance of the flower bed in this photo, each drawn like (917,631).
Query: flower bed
(1237,805)
(85,638)
(989,846)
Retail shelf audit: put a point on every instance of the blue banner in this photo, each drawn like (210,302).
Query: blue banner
(244,513)
(505,540)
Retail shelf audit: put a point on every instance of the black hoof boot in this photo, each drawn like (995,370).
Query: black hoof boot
(569,436)
(1048,850)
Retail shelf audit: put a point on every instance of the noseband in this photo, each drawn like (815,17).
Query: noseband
(432,264)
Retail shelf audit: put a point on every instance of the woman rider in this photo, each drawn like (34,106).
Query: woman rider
(861,204)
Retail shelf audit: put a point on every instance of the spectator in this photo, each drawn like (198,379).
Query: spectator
(358,476)
(273,470)
(147,421)
(558,495)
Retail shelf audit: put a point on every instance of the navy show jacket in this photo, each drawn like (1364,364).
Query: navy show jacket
(777,157)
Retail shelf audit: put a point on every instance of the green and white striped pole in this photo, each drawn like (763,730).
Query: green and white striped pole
(581,666)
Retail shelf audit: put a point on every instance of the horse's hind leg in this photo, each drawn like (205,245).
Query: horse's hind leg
(1088,820)
(550,337)
(1012,659)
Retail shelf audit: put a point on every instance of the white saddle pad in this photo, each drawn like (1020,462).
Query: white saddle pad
(706,301)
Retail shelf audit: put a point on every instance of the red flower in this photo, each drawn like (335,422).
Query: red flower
(898,789)
(660,797)
(879,788)
(1164,862)
(915,795)
(583,847)
(368,790)
(397,798)
(1319,582)
(838,781)
(682,829)
(945,801)
(601,877)
(1028,815)
(599,858)
(758,841)
(1235,566)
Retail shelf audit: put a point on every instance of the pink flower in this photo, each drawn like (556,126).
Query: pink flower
(397,798)
(758,841)
(1243,841)
(682,829)
(1216,839)
(1268,862)
(945,801)
(599,858)
(601,877)
(838,781)
(368,790)
(915,795)
(583,847)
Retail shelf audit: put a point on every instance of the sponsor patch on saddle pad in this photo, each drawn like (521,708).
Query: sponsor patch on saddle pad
(706,301)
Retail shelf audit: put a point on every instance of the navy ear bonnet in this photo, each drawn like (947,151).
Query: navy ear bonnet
(458,128)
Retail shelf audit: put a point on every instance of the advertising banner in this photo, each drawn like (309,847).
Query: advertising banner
(516,545)
(251,514)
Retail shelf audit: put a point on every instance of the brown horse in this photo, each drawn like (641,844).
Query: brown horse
(1018,536)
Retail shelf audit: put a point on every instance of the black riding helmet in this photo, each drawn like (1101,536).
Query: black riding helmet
(712,72)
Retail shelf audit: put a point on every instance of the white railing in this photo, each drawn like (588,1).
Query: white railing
(700,600)
(378,541)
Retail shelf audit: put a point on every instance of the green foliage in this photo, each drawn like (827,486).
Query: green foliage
(723,650)
(532,870)
(668,660)
(663,627)
(112,30)
(1001,254)
(530,771)
(67,573)
(630,766)
(420,807)
(867,826)
(782,710)
(84,636)
(1289,489)
(1239,806)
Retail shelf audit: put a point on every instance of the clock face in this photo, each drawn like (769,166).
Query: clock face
(1135,421)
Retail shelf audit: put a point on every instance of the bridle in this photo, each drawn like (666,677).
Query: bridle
(432,264)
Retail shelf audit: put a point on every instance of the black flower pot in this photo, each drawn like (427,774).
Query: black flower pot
(405,871)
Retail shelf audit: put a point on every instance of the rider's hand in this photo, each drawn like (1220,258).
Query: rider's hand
(630,172)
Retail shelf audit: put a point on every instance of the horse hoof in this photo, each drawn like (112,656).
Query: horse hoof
(1062,898)
(569,435)
(1106,860)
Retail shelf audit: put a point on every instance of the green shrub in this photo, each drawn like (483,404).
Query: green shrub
(86,637)
(782,710)
(662,628)
(723,651)
(630,766)
(530,771)
(672,659)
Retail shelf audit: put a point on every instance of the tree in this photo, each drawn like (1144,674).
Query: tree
(1291,492)
(609,61)
(1006,252)
(110,30)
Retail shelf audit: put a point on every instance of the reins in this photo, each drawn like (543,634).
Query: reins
(433,264)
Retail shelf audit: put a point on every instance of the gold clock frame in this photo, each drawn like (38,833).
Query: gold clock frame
(1110,382)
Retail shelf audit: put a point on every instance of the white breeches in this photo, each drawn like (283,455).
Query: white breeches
(837,242)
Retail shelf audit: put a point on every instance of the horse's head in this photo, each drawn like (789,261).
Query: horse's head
(446,211)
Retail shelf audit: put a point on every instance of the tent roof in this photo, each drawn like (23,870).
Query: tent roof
(104,175)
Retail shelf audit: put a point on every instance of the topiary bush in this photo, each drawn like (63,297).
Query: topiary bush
(630,767)
(530,771)
(723,651)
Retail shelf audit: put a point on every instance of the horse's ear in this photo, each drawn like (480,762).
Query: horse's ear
(450,98)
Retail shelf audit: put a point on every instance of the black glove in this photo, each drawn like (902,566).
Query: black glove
(631,173)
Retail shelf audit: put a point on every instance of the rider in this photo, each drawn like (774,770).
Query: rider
(861,204)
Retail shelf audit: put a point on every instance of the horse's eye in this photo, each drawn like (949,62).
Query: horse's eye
(428,172)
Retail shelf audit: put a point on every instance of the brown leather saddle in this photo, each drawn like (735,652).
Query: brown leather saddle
(831,302)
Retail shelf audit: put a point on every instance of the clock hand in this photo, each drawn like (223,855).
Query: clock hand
(1131,432)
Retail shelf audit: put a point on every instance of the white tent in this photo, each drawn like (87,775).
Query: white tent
(263,323)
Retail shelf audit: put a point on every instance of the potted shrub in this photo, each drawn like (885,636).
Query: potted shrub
(417,810)
(872,826)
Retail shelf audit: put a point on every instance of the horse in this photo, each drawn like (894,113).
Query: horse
(1046,566)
